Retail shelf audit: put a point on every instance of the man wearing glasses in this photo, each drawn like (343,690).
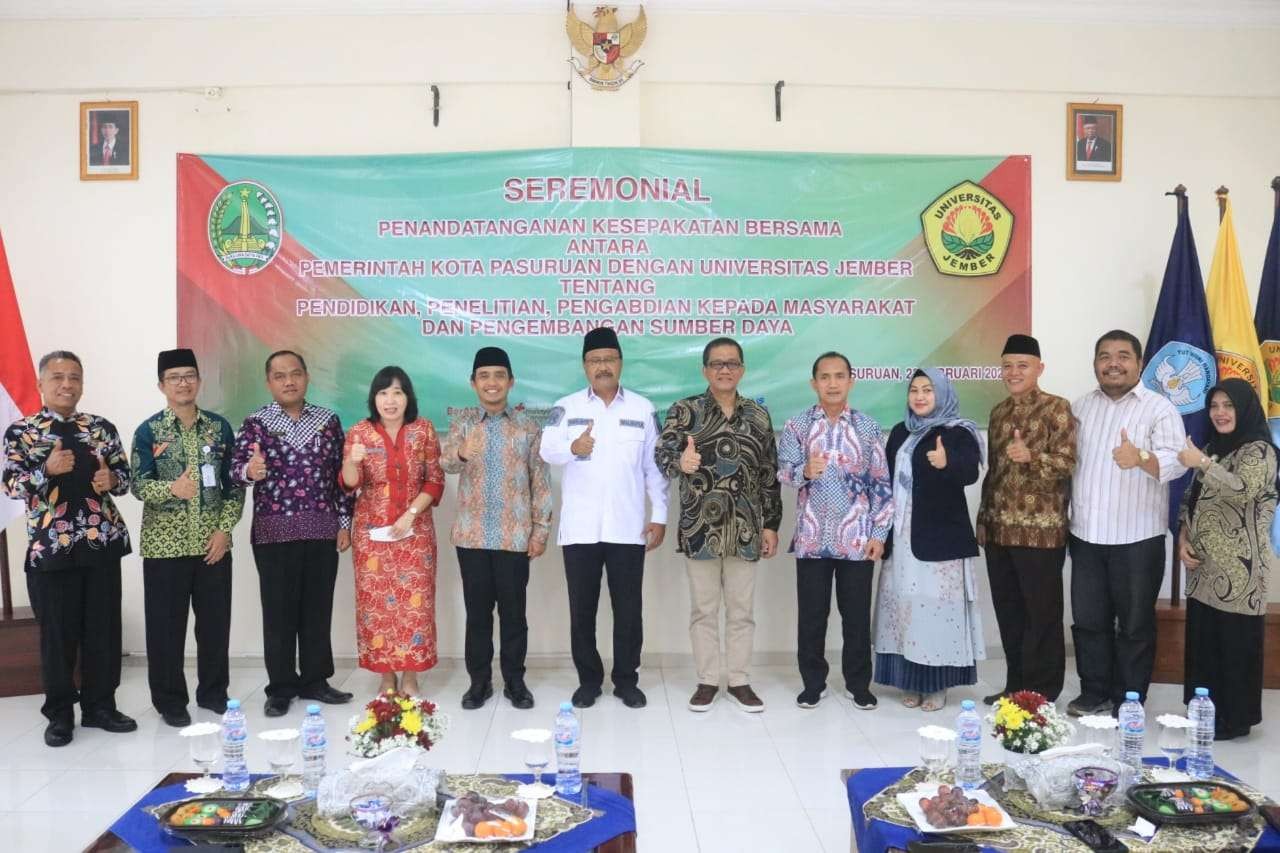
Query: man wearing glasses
(604,437)
(181,467)
(721,446)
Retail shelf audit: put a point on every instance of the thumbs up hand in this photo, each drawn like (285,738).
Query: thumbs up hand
(1017,450)
(184,488)
(1191,456)
(257,468)
(103,479)
(1126,455)
(938,456)
(814,467)
(583,444)
(60,461)
(358,453)
(690,459)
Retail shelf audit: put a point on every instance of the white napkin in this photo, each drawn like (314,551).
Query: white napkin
(387,534)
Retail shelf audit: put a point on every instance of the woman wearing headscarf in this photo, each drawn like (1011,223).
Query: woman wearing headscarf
(1225,543)
(928,633)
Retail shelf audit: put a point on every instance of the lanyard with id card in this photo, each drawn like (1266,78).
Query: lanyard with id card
(208,474)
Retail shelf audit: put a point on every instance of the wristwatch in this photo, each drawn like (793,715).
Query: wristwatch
(1144,455)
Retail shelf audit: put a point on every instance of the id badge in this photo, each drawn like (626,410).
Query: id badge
(208,476)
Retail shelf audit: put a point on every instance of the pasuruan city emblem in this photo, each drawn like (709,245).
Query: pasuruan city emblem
(967,231)
(1182,373)
(245,225)
(605,47)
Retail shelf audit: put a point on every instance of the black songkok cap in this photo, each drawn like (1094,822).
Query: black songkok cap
(171,358)
(1021,345)
(491,357)
(601,338)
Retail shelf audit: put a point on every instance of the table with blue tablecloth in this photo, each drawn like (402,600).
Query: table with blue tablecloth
(876,835)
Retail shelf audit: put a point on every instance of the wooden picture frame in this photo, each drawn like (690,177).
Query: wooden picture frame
(109,129)
(1095,142)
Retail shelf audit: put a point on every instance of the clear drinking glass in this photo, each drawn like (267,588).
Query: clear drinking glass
(282,752)
(1173,743)
(934,754)
(537,755)
(205,751)
(371,812)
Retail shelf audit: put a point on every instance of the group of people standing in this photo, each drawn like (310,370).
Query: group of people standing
(1091,477)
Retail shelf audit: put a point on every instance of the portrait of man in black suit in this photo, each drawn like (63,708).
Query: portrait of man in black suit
(109,133)
(1091,147)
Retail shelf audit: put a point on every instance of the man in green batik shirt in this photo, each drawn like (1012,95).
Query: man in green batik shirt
(181,464)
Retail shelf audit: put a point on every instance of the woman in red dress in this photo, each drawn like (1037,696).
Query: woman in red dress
(392,463)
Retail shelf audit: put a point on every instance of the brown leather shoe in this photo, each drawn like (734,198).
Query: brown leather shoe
(703,697)
(747,699)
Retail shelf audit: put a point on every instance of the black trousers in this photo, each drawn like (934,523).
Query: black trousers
(295,581)
(491,577)
(1026,589)
(624,565)
(1115,585)
(813,604)
(1224,653)
(171,586)
(79,614)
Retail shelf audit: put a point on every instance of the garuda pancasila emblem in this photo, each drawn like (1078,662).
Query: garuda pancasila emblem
(605,46)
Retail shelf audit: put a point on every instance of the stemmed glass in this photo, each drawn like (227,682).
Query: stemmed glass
(537,755)
(282,747)
(1173,742)
(934,753)
(202,739)
(372,812)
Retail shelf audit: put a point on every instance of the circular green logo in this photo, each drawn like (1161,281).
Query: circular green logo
(244,227)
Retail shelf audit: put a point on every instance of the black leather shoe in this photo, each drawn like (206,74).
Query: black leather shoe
(477,696)
(585,697)
(518,694)
(326,694)
(111,721)
(58,732)
(277,706)
(178,719)
(632,697)
(218,708)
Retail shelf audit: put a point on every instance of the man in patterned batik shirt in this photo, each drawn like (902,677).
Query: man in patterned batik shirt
(834,457)
(181,466)
(722,448)
(290,452)
(65,465)
(504,517)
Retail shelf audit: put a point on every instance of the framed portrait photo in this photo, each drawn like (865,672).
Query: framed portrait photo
(109,140)
(1094,141)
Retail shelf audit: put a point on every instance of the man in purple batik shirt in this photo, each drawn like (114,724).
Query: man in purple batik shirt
(290,452)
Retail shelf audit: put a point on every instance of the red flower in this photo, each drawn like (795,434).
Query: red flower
(1028,700)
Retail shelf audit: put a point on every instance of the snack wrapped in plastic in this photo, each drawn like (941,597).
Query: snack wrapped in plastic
(1049,776)
(403,774)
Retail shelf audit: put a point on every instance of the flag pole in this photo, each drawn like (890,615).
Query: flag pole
(1175,569)
(1275,187)
(5,591)
(1221,193)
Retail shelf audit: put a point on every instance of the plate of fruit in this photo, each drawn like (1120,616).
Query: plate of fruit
(1190,802)
(473,817)
(224,817)
(950,808)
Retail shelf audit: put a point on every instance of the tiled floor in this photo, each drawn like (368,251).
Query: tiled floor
(720,781)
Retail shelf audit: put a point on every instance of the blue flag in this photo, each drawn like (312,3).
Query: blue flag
(1267,321)
(1180,361)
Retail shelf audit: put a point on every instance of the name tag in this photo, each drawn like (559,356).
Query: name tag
(577,422)
(208,476)
(628,422)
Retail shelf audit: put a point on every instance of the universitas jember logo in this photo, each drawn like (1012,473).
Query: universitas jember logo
(245,224)
(967,231)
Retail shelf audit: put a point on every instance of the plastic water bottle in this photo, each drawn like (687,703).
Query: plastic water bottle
(314,746)
(1133,725)
(235,773)
(968,746)
(568,748)
(1200,712)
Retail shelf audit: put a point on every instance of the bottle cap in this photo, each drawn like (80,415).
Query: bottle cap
(233,703)
(566,706)
(313,708)
(1131,696)
(967,705)
(1202,691)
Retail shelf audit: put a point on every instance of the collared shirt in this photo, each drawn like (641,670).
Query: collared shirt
(602,494)
(734,495)
(300,497)
(852,501)
(1110,506)
(162,449)
(69,525)
(1024,504)
(504,494)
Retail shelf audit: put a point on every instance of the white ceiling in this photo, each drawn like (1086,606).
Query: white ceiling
(1210,13)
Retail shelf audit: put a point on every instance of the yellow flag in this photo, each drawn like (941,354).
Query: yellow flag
(1234,336)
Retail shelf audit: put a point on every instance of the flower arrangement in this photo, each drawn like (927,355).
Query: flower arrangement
(392,720)
(1027,722)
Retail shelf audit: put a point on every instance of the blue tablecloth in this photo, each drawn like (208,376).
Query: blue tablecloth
(876,836)
(142,831)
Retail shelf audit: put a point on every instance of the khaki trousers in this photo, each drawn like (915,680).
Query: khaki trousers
(734,580)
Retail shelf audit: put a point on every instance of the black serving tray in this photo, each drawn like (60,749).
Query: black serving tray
(1156,816)
(277,814)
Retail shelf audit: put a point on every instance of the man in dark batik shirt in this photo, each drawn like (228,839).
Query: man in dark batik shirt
(65,465)
(291,452)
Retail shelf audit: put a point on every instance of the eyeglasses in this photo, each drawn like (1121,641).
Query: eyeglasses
(718,366)
(602,361)
(182,379)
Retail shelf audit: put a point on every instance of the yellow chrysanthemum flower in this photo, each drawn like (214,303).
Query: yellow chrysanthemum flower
(411,722)
(364,725)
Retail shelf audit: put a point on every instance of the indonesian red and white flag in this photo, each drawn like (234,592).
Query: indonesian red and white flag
(19,395)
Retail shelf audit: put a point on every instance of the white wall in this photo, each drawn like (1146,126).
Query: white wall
(94,263)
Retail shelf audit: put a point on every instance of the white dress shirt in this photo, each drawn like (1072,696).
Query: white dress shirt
(1110,506)
(602,495)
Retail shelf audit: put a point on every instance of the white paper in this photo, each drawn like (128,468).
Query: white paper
(387,534)
(208,476)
